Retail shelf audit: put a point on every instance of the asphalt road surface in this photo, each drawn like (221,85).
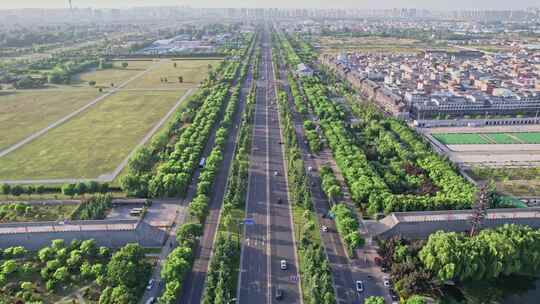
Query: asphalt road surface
(270,239)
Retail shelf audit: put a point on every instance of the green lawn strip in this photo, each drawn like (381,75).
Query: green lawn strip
(489,139)
(93,143)
(528,137)
(500,138)
(22,113)
(460,138)
(166,75)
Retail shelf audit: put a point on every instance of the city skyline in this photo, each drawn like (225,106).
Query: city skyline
(366,4)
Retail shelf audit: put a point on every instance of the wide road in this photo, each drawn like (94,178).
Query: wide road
(270,238)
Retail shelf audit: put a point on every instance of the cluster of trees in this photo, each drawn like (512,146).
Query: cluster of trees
(347,226)
(222,276)
(380,300)
(406,270)
(94,208)
(386,165)
(330,184)
(179,262)
(510,249)
(18,190)
(10,211)
(483,267)
(313,138)
(82,188)
(126,275)
(71,190)
(122,277)
(62,72)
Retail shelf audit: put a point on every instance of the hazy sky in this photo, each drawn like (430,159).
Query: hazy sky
(429,4)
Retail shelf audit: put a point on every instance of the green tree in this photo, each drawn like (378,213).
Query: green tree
(128,267)
(374,300)
(68,190)
(125,64)
(6,189)
(416,300)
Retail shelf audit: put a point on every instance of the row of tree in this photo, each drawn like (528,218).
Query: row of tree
(314,265)
(506,250)
(347,226)
(180,260)
(222,277)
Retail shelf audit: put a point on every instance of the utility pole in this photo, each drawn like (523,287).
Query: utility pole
(479,211)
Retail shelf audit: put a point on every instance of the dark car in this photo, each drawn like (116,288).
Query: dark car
(394,295)
(280,201)
(279,294)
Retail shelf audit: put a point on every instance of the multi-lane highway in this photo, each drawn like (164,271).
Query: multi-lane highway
(269,239)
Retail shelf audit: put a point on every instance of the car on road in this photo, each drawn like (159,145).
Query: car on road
(310,168)
(150,284)
(394,295)
(279,293)
(386,281)
(276,173)
(280,201)
(324,228)
(283,264)
(359,286)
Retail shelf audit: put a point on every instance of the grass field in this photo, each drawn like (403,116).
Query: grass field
(91,144)
(116,75)
(22,113)
(488,138)
(192,71)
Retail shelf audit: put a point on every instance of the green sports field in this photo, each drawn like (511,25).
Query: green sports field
(488,138)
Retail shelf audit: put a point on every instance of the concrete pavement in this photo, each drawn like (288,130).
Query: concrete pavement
(270,239)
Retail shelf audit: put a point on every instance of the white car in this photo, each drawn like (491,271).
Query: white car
(276,173)
(359,286)
(386,281)
(283,264)
(150,284)
(324,228)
